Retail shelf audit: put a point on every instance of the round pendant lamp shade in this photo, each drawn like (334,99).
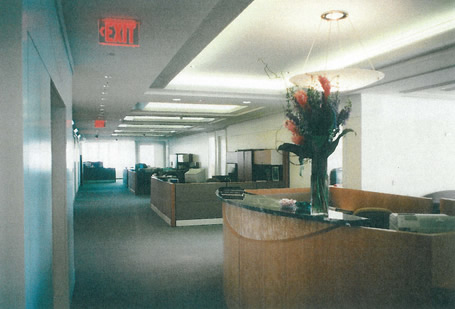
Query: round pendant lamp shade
(340,80)
(344,79)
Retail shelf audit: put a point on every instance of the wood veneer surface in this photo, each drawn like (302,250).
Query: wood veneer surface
(351,199)
(447,206)
(280,262)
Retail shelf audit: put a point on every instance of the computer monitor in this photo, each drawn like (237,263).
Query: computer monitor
(195,175)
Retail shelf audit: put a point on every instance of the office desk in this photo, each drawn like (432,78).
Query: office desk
(273,260)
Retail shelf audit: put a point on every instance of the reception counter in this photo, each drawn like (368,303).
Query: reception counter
(281,258)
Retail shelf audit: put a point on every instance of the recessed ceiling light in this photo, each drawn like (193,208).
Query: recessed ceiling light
(334,15)
(168,118)
(246,102)
(192,108)
(103,99)
(177,100)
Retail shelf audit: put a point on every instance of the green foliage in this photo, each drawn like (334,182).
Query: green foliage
(315,120)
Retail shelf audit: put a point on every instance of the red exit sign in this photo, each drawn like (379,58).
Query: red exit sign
(100,123)
(118,32)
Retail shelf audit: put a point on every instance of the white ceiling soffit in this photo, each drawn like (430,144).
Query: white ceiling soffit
(216,51)
(280,34)
(430,74)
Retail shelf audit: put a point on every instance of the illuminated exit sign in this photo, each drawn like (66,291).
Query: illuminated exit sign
(118,32)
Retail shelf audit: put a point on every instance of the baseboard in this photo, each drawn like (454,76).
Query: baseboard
(199,222)
(162,215)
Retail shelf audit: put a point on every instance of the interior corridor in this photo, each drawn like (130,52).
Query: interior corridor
(128,257)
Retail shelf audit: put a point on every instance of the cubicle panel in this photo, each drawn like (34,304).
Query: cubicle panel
(447,206)
(199,200)
(298,194)
(443,261)
(351,199)
(192,203)
(132,181)
(162,199)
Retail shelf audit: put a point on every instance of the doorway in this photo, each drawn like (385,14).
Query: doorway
(61,225)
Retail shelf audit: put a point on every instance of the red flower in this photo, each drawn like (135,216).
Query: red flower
(297,139)
(325,85)
(290,125)
(302,98)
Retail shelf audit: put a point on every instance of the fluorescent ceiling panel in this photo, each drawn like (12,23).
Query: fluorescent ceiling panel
(168,118)
(154,126)
(138,134)
(192,108)
(144,131)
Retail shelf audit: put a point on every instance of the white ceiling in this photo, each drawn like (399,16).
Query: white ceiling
(215,51)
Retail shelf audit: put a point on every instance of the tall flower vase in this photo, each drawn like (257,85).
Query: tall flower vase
(319,185)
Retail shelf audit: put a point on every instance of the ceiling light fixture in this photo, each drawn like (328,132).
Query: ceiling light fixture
(192,108)
(154,126)
(341,79)
(145,131)
(168,118)
(138,134)
(334,15)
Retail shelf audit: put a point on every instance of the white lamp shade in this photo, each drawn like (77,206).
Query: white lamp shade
(340,80)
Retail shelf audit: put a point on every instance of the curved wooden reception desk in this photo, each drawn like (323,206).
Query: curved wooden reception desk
(280,258)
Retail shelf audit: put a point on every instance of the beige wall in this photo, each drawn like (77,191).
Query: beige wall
(403,145)
(408,144)
(263,133)
(352,151)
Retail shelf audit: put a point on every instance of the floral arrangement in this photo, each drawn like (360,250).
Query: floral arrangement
(314,120)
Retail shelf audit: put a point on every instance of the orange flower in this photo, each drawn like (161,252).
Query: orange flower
(297,139)
(290,125)
(325,85)
(301,98)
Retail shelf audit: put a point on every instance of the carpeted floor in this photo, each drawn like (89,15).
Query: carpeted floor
(128,257)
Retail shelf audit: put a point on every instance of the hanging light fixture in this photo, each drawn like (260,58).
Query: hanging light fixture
(340,79)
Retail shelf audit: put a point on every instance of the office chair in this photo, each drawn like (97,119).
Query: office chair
(379,217)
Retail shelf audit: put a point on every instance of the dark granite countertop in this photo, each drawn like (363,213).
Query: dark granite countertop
(265,204)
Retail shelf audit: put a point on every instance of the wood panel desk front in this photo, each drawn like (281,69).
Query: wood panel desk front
(273,261)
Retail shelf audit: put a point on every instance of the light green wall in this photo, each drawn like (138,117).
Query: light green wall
(33,54)
(12,270)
